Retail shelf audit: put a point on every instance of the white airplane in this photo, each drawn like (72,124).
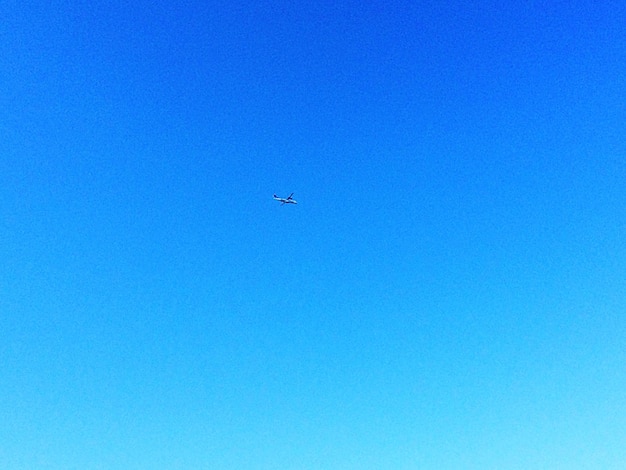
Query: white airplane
(285,200)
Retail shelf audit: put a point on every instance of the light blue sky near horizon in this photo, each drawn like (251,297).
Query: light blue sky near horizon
(449,291)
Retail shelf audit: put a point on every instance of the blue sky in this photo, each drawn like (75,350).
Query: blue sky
(448,293)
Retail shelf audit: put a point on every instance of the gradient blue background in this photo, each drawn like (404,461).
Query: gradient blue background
(449,293)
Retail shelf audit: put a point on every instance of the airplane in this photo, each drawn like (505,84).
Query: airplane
(285,200)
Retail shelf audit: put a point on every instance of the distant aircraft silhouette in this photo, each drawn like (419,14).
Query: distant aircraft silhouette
(285,200)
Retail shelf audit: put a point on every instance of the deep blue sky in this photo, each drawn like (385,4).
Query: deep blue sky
(449,293)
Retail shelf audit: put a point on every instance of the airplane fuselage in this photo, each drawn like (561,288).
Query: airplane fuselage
(285,200)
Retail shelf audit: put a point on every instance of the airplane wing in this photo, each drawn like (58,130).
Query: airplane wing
(290,196)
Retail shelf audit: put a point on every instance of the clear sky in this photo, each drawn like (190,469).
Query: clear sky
(449,292)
